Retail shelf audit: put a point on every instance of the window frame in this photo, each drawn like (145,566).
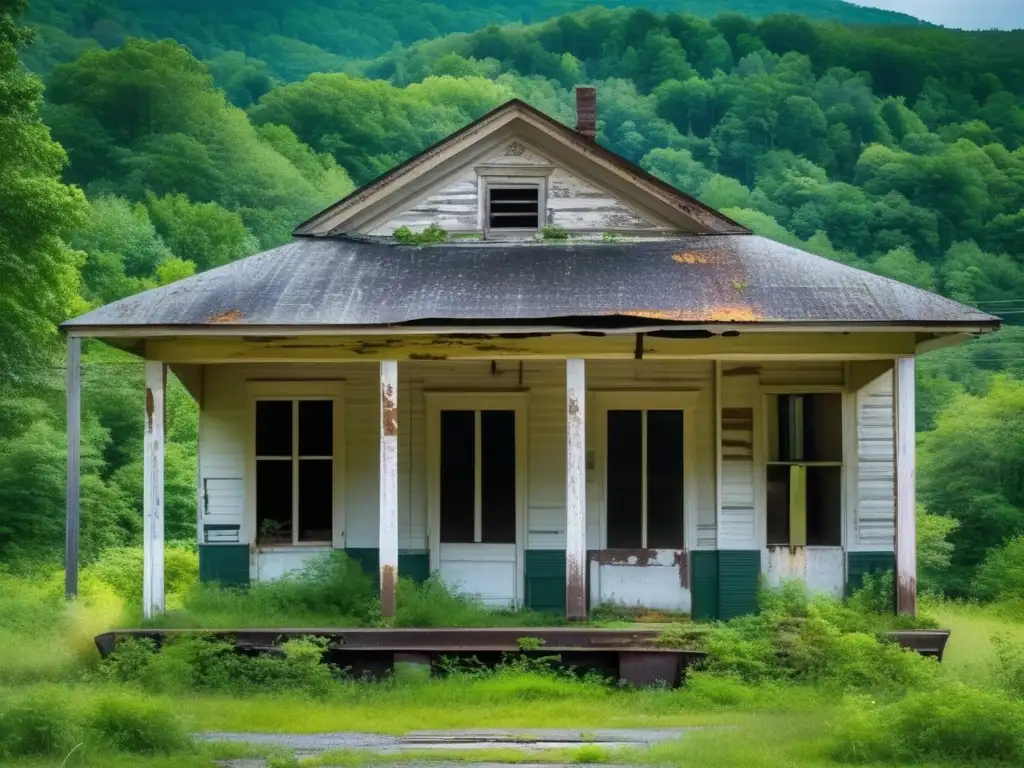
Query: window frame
(475,401)
(846,464)
(645,400)
(295,391)
(490,176)
(490,187)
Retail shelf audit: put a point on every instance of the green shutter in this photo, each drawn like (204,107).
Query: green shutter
(226,564)
(860,563)
(412,563)
(368,558)
(739,575)
(704,584)
(545,580)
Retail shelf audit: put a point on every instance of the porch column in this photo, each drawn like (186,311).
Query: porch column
(388,534)
(74,415)
(906,500)
(153,492)
(575,490)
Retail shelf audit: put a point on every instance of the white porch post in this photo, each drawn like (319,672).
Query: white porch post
(575,490)
(74,415)
(153,492)
(388,534)
(906,500)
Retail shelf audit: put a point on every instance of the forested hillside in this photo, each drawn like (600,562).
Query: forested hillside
(896,149)
(293,39)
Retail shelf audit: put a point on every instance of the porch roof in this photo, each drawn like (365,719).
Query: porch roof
(339,282)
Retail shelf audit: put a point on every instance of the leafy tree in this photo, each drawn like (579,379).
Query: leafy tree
(972,466)
(38,271)
(203,233)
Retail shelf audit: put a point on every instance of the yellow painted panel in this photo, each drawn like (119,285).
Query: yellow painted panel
(798,506)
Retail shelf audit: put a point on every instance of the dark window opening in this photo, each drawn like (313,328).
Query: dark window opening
(804,483)
(458,473)
(625,480)
(472,513)
(665,479)
(810,428)
(294,444)
(640,488)
(274,502)
(498,477)
(514,208)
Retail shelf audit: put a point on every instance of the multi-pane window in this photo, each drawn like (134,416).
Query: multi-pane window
(644,477)
(513,207)
(294,471)
(805,468)
(478,476)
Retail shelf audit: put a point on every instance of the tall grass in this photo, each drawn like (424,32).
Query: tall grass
(334,591)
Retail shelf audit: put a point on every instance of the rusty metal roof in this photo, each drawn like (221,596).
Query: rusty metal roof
(336,282)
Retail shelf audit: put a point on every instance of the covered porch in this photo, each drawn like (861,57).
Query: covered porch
(555,470)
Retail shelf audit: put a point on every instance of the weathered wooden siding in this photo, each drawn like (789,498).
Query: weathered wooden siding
(572,203)
(822,569)
(454,206)
(741,393)
(874,516)
(576,205)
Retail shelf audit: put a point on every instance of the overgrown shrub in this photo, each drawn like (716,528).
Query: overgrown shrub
(121,569)
(1010,660)
(333,590)
(138,725)
(38,723)
(202,663)
(435,604)
(45,722)
(952,725)
(798,639)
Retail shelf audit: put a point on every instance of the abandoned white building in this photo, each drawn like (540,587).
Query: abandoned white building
(594,390)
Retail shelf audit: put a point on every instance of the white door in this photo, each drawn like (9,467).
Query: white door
(645,496)
(478,497)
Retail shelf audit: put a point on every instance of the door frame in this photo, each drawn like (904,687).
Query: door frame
(477,401)
(647,400)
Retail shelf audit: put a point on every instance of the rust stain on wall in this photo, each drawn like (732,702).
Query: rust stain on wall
(906,594)
(387,590)
(681,559)
(631,557)
(573,406)
(388,411)
(150,408)
(576,589)
(227,316)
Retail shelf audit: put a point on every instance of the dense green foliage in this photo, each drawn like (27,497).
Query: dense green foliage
(251,44)
(896,148)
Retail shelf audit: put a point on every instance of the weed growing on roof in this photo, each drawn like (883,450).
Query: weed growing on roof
(554,233)
(432,234)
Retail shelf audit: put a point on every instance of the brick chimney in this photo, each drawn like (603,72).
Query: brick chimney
(586,111)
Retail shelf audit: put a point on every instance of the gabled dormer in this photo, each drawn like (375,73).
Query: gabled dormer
(517,174)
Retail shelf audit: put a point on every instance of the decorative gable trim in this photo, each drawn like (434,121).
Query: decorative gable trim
(518,123)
